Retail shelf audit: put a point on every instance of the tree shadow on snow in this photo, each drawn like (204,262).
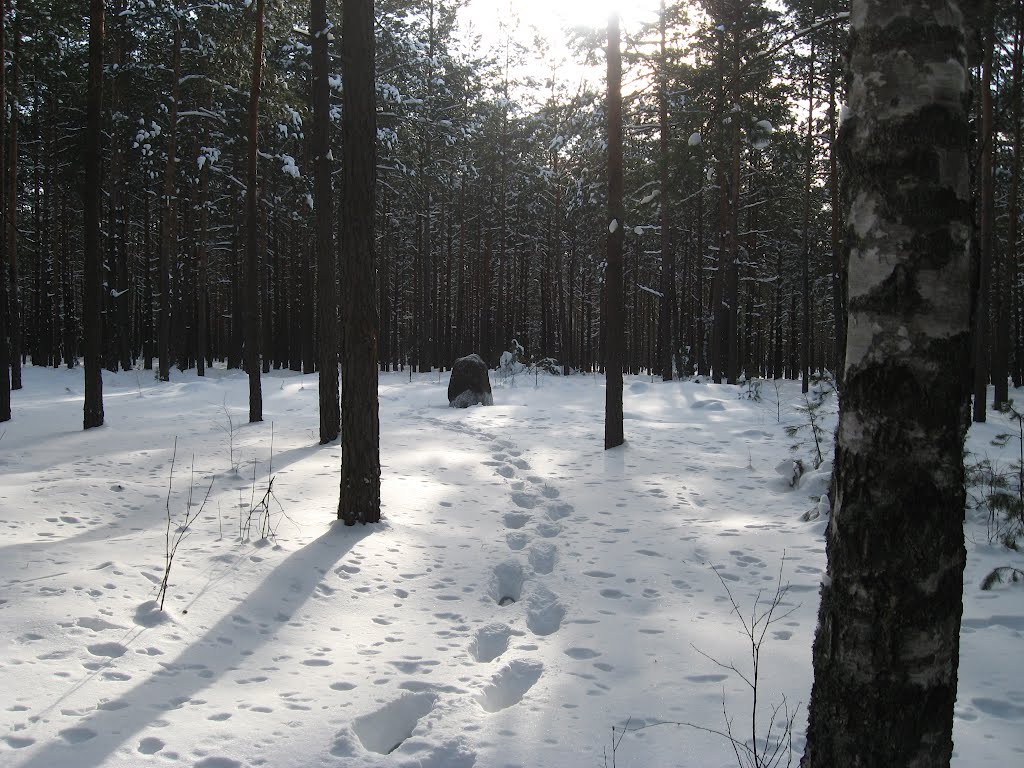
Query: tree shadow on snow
(281,595)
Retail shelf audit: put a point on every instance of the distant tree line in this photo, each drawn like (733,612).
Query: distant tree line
(490,215)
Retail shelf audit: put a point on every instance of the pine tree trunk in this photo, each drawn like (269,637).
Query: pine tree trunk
(360,421)
(986,221)
(731,296)
(887,644)
(838,260)
(147,290)
(252,241)
(93,299)
(14,295)
(5,352)
(120,293)
(1013,274)
(203,258)
(805,267)
(1006,272)
(614,322)
(169,231)
(666,307)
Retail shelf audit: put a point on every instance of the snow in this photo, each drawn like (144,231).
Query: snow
(613,226)
(694,140)
(526,592)
(288,166)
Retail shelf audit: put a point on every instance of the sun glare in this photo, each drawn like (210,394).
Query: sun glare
(554,15)
(494,19)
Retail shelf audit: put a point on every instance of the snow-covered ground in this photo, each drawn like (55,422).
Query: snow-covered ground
(527,592)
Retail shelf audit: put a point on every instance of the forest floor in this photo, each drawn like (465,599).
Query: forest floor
(526,593)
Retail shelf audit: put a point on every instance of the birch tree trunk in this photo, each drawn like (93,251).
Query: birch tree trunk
(887,644)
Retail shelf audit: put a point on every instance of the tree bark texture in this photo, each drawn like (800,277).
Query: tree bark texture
(986,221)
(252,240)
(615,340)
(327,300)
(360,420)
(1012,256)
(169,233)
(93,298)
(5,354)
(666,309)
(887,645)
(14,310)
(805,335)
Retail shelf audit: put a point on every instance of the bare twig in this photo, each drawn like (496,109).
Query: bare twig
(183,530)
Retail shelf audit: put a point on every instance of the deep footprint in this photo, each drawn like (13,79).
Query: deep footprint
(384,730)
(542,557)
(507,582)
(490,642)
(545,613)
(524,500)
(509,685)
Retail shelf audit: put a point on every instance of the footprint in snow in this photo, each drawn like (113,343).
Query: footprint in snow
(506,585)
(542,557)
(548,529)
(384,730)
(490,642)
(558,511)
(524,500)
(509,685)
(516,540)
(516,520)
(544,612)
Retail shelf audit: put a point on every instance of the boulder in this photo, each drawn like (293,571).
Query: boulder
(469,383)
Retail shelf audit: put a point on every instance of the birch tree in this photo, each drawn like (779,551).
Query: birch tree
(887,644)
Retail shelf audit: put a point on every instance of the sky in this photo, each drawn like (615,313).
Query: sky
(551,19)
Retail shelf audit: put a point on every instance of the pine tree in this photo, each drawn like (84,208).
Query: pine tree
(615,341)
(93,297)
(360,419)
(323,208)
